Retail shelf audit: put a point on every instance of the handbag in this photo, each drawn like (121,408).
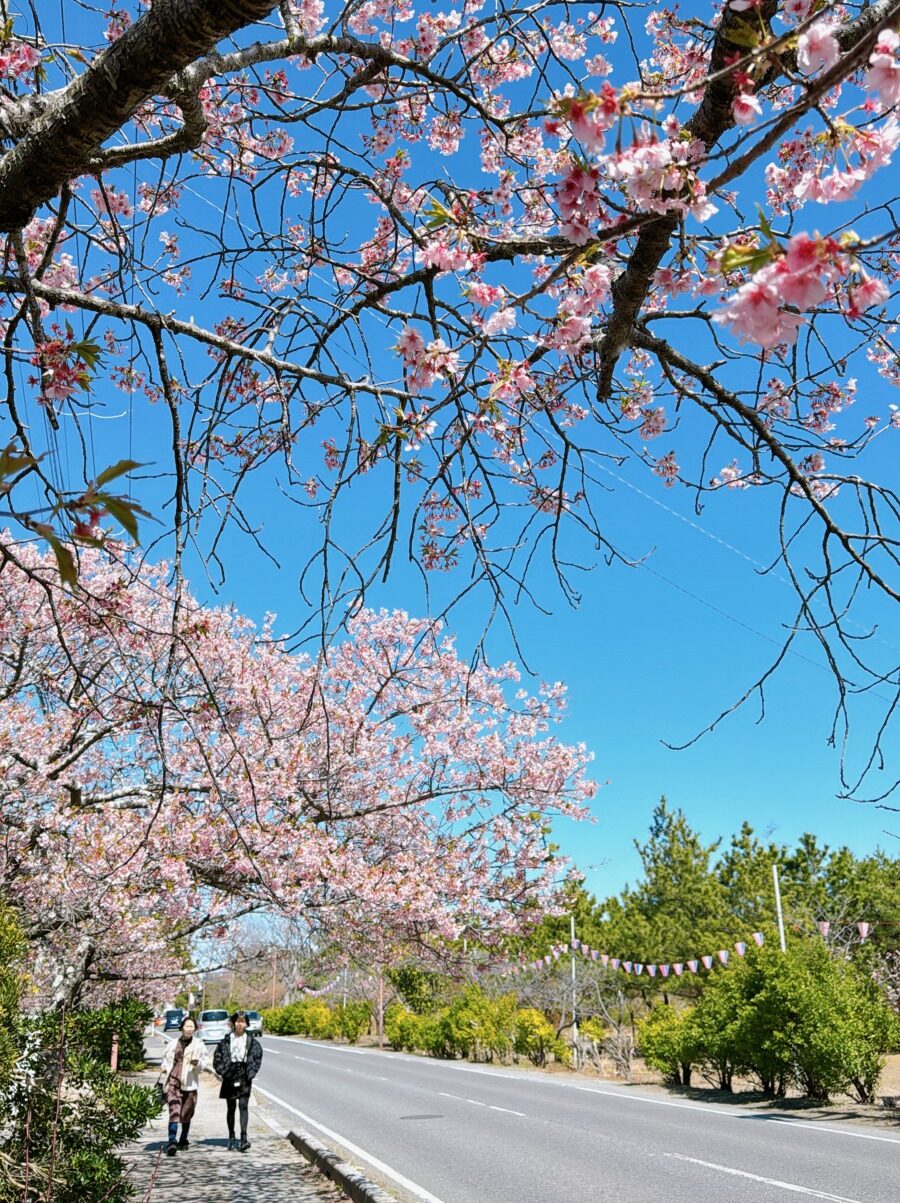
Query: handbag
(159,1092)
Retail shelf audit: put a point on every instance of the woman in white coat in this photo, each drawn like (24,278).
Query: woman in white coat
(180,1071)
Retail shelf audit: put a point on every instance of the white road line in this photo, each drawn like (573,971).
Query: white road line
(802,1123)
(408,1185)
(478,1103)
(789,1186)
(771,1119)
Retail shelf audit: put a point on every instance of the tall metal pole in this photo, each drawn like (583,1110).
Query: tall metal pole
(574,990)
(274,964)
(778,908)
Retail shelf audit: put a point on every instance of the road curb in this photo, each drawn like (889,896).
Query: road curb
(354,1184)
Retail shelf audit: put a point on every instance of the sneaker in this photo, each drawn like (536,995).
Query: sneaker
(184,1144)
(172,1149)
(232,1144)
(245,1144)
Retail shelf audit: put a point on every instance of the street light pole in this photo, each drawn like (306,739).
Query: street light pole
(574,990)
(778,908)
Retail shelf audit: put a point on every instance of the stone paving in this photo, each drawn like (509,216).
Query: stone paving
(271,1171)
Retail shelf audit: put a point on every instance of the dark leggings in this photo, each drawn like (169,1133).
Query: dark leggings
(242,1101)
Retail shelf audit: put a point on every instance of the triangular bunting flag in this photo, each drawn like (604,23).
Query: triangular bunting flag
(707,961)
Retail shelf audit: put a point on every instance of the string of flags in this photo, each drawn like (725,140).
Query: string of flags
(825,927)
(651,969)
(636,968)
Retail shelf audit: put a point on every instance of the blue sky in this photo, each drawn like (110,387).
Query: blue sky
(653,653)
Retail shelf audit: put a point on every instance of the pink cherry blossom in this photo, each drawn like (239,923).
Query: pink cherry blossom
(883,75)
(746,108)
(817,47)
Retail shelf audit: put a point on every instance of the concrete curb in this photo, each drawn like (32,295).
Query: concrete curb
(354,1184)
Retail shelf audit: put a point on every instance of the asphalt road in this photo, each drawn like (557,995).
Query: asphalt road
(446,1132)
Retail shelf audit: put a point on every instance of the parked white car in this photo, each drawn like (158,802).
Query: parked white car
(254,1022)
(213,1026)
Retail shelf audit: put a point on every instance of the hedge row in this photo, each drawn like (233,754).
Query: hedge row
(313,1017)
(479,1028)
(800,1019)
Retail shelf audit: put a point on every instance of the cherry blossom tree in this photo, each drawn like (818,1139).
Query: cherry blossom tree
(153,789)
(426,268)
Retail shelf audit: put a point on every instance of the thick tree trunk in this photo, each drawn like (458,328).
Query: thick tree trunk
(77,121)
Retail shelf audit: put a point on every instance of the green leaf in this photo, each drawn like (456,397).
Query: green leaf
(124,512)
(764,224)
(120,469)
(437,214)
(65,561)
(742,33)
(12,460)
(750,257)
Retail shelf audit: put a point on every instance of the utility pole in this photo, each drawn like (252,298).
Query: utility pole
(344,1000)
(380,1006)
(778,908)
(274,965)
(574,990)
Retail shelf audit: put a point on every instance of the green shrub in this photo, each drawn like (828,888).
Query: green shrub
(714,1028)
(535,1037)
(306,1017)
(804,1018)
(477,1026)
(351,1020)
(407,1031)
(91,1031)
(667,1041)
(63,1112)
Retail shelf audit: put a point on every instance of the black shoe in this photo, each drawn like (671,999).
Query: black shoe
(184,1143)
(172,1149)
(245,1143)
(232,1144)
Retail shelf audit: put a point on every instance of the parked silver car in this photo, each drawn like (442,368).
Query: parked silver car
(254,1022)
(213,1026)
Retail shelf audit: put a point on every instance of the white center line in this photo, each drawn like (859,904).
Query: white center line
(477,1103)
(790,1186)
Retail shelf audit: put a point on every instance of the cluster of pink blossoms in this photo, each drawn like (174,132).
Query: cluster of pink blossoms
(425,363)
(578,197)
(883,75)
(803,277)
(18,60)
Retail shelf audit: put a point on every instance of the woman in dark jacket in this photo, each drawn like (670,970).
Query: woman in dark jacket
(237,1060)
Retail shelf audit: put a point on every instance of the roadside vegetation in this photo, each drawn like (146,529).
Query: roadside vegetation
(816,1021)
(63,1110)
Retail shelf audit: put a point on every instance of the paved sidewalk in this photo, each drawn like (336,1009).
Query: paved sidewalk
(271,1171)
